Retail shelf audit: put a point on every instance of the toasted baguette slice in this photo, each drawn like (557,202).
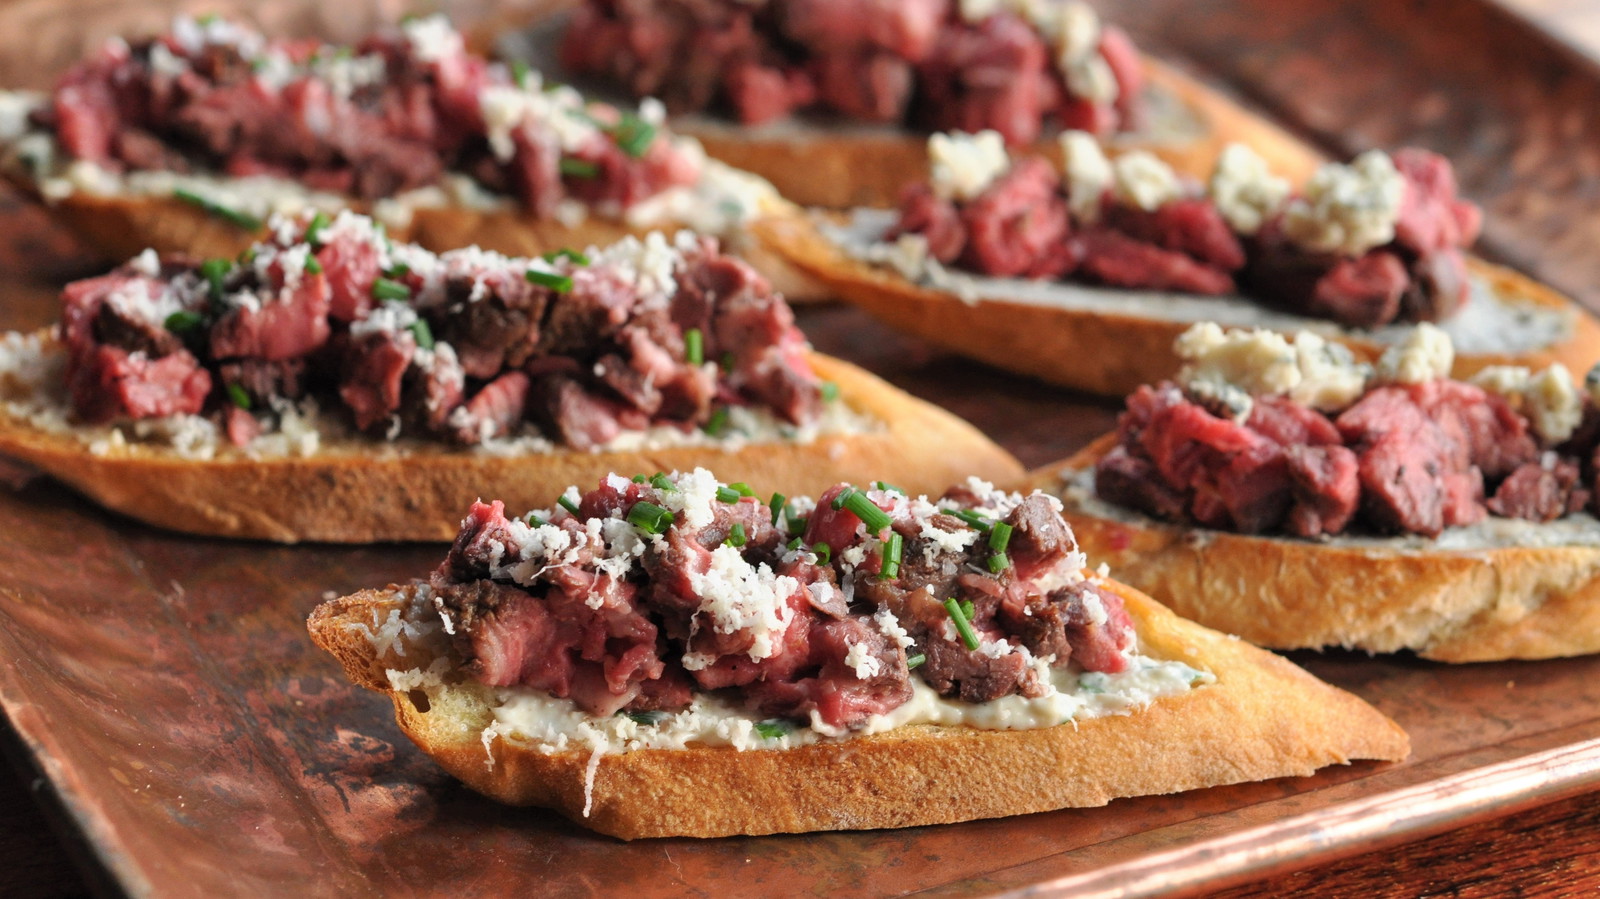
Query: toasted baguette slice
(847,166)
(1512,590)
(1262,718)
(357,490)
(121,227)
(1109,341)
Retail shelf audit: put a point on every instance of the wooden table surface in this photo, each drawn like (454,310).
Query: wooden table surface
(1548,850)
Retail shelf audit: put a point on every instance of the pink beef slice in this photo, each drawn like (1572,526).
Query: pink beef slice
(1363,292)
(1540,492)
(1019,226)
(120,366)
(1496,438)
(1191,226)
(495,410)
(1326,485)
(1115,259)
(936,219)
(993,75)
(284,327)
(374,372)
(868,85)
(906,28)
(1432,217)
(1416,475)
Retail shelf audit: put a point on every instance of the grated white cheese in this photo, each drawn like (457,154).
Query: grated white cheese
(737,596)
(861,660)
(1347,209)
(965,165)
(432,38)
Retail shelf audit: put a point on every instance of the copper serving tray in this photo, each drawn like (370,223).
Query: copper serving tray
(164,687)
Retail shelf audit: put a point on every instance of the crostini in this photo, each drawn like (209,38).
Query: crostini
(1284,492)
(831,101)
(675,656)
(1084,275)
(333,384)
(187,142)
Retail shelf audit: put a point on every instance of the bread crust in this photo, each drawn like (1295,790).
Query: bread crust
(1512,602)
(361,491)
(1049,343)
(1263,718)
(851,165)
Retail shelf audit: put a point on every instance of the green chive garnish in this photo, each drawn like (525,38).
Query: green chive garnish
(650,717)
(557,283)
(239,396)
(183,321)
(312,265)
(968,609)
(999,562)
(398,270)
(773,729)
(736,535)
(633,135)
(215,271)
(578,168)
(568,504)
(314,229)
(533,520)
(742,488)
(915,661)
(565,253)
(649,517)
(796,543)
(969,637)
(999,536)
(893,551)
(830,391)
(976,519)
(385,289)
(520,73)
(660,481)
(640,479)
(727,362)
(887,487)
(778,505)
(424,335)
(728,495)
(694,346)
(797,524)
(823,552)
(718,421)
(865,509)
(243,220)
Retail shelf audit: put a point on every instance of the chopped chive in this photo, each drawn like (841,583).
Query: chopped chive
(773,728)
(533,519)
(999,536)
(385,289)
(398,270)
(969,637)
(838,501)
(183,321)
(736,535)
(999,562)
(247,255)
(976,519)
(743,488)
(424,334)
(968,609)
(778,505)
(313,266)
(887,487)
(796,543)
(578,168)
(660,481)
(718,421)
(243,220)
(829,390)
(727,362)
(569,505)
(728,495)
(915,661)
(640,479)
(893,552)
(314,229)
(519,73)
(823,552)
(240,397)
(797,524)
(215,271)
(633,135)
(649,517)
(565,253)
(650,717)
(865,509)
(557,283)
(694,346)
